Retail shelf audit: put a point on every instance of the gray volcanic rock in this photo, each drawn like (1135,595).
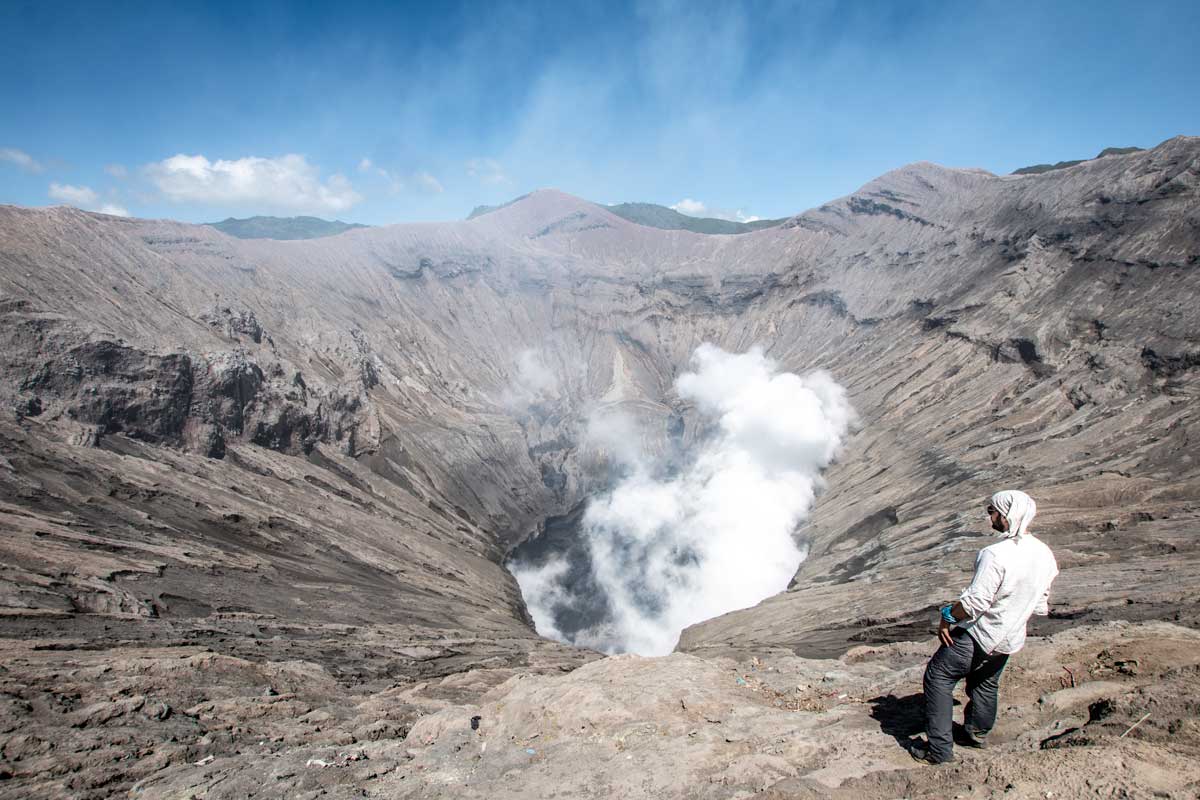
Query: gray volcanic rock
(319,452)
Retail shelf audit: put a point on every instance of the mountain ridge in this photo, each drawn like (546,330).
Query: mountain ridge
(282,228)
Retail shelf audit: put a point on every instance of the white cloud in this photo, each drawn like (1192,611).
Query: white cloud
(487,171)
(693,208)
(21,159)
(395,182)
(427,183)
(696,208)
(669,549)
(285,182)
(86,198)
(82,196)
(117,170)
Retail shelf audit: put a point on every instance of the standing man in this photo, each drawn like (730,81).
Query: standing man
(985,626)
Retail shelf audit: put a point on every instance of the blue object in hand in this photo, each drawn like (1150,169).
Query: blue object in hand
(948,614)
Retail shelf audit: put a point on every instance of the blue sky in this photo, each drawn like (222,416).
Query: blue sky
(385,112)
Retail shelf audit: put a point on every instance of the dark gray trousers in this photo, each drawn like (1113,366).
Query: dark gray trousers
(949,665)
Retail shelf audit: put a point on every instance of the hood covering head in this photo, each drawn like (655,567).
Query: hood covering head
(1018,508)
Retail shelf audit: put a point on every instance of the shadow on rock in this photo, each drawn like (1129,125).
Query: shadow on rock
(900,717)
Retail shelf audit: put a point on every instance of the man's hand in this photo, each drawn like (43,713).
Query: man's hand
(944,633)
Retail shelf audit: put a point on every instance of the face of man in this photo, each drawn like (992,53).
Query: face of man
(999,521)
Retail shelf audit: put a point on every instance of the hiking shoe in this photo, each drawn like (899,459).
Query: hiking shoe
(969,738)
(920,752)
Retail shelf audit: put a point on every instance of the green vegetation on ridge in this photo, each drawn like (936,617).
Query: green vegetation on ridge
(282,227)
(1037,169)
(655,216)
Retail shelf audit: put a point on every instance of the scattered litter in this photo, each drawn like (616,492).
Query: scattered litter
(317,762)
(741,681)
(843,696)
(1145,717)
(1064,682)
(530,751)
(475,723)
(205,760)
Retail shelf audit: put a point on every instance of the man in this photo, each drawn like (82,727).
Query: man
(985,626)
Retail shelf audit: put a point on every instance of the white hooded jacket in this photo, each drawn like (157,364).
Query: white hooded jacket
(1012,580)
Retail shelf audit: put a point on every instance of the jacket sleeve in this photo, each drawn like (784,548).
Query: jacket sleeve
(979,596)
(1042,609)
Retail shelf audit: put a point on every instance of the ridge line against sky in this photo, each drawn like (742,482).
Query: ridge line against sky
(377,113)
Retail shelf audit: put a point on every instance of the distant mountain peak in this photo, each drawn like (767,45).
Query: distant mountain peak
(649,215)
(656,216)
(282,227)
(479,211)
(1037,169)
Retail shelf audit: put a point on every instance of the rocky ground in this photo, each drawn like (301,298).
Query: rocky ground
(255,496)
(1104,710)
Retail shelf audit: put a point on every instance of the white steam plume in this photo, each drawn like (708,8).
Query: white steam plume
(534,381)
(718,536)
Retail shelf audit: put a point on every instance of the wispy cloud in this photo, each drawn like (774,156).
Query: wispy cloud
(288,182)
(84,197)
(487,171)
(695,208)
(369,167)
(427,183)
(118,171)
(21,159)
(421,180)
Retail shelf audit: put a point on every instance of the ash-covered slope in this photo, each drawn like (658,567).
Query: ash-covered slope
(322,449)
